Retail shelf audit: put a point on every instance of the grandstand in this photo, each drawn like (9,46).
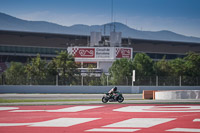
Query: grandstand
(19,46)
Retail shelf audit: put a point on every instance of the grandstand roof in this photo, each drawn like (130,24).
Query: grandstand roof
(19,38)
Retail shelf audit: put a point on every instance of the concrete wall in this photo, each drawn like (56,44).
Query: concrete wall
(86,89)
(168,88)
(172,95)
(63,89)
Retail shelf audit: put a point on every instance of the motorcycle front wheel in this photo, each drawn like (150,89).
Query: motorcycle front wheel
(120,99)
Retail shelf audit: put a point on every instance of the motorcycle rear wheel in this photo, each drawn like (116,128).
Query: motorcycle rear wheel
(104,100)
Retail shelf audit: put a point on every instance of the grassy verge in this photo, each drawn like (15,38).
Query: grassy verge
(81,100)
(32,100)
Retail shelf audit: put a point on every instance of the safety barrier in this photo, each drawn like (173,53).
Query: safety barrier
(177,94)
(148,94)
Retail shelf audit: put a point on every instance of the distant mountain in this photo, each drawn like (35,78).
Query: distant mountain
(8,22)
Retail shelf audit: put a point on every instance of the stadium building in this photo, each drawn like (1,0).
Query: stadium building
(96,50)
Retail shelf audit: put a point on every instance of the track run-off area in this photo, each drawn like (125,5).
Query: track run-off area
(137,118)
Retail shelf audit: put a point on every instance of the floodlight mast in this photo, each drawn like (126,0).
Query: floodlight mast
(111,25)
(111,11)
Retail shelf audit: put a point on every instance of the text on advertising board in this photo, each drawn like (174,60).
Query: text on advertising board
(101,52)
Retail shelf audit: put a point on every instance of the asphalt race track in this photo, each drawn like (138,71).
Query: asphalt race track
(101,118)
(63,96)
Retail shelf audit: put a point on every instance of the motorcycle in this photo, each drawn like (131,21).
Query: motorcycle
(118,97)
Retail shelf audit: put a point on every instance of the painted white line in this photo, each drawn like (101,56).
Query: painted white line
(140,122)
(74,109)
(159,109)
(8,108)
(111,130)
(27,110)
(133,108)
(184,130)
(69,109)
(14,124)
(60,122)
(196,120)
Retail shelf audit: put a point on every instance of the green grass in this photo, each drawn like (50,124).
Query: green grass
(32,100)
(80,100)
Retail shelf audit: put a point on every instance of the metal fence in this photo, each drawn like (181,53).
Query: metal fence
(168,81)
(106,81)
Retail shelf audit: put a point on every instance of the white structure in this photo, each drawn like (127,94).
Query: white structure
(177,94)
(95,38)
(100,57)
(115,39)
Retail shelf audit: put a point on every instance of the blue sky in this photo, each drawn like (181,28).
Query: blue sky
(180,16)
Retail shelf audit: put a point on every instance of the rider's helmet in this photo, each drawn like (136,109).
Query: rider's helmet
(115,89)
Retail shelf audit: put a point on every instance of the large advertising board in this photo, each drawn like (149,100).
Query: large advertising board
(100,52)
(123,53)
(103,52)
(80,52)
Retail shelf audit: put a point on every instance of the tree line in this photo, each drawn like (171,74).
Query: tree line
(63,67)
(37,70)
(144,66)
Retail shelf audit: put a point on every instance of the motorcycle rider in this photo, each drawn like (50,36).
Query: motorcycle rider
(113,92)
(113,96)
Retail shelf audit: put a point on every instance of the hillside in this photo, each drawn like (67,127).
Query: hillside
(8,22)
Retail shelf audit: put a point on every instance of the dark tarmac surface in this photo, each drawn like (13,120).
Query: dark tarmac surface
(62,96)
